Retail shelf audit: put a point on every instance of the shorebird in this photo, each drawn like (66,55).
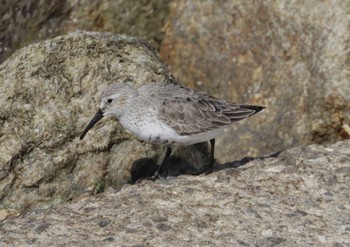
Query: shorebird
(169,114)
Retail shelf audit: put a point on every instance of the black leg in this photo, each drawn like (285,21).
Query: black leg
(167,154)
(210,167)
(212,148)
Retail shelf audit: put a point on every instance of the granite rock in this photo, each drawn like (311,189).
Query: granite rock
(49,91)
(290,56)
(299,198)
(23,22)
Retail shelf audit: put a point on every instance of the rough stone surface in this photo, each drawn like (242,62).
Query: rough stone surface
(290,56)
(22,22)
(300,198)
(49,91)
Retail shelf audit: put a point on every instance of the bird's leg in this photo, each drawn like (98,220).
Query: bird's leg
(167,154)
(210,167)
(212,148)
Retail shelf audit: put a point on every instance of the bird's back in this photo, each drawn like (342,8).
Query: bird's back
(190,112)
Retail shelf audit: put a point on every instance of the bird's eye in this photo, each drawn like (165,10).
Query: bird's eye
(109,100)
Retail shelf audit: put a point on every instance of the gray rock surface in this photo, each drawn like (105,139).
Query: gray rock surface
(300,198)
(290,56)
(22,22)
(49,91)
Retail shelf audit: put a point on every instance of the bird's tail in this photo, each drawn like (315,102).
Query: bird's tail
(255,108)
(240,111)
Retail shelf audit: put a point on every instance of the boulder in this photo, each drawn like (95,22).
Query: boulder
(49,92)
(292,57)
(299,198)
(23,22)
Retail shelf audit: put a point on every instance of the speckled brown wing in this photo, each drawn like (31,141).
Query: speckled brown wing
(190,112)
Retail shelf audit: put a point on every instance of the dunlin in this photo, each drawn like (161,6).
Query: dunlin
(169,114)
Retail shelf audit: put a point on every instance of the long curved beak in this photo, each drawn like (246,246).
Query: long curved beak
(93,121)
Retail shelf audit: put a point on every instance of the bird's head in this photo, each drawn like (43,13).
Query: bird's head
(114,99)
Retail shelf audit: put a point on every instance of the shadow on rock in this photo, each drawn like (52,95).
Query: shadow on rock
(145,168)
(245,160)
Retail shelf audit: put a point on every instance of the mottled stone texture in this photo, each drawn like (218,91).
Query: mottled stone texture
(49,91)
(22,22)
(300,198)
(290,56)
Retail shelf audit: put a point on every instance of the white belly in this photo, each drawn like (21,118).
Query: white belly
(158,132)
(201,137)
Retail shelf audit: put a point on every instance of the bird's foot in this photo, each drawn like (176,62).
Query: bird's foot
(155,176)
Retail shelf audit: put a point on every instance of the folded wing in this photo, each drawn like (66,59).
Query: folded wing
(190,112)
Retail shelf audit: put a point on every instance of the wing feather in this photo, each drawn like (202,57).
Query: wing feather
(190,112)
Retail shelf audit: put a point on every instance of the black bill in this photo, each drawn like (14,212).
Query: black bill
(93,121)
